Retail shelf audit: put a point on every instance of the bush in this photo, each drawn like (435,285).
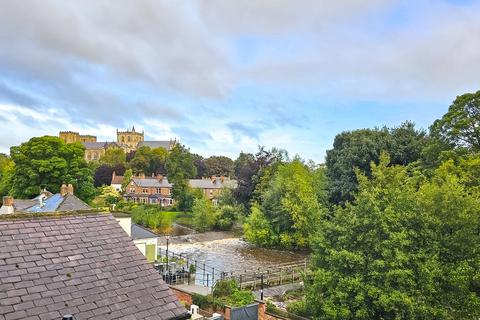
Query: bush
(298,308)
(224,288)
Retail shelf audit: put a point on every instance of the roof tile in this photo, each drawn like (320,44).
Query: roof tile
(85,265)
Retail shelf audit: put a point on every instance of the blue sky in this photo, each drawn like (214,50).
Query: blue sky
(227,76)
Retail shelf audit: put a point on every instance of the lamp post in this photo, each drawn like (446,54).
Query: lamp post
(168,267)
(261,287)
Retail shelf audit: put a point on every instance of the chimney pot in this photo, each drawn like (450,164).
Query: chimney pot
(8,201)
(70,188)
(63,189)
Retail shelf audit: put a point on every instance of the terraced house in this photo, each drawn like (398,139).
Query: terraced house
(157,190)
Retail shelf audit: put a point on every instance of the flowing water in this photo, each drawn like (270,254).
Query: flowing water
(225,252)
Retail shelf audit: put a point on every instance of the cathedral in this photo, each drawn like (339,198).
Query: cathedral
(129,140)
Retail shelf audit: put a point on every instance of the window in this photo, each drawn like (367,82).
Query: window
(132,190)
(145,190)
(158,190)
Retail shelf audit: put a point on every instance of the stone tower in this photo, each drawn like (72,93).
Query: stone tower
(129,138)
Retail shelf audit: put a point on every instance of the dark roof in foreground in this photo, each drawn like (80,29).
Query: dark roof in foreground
(84,265)
(139,232)
(57,202)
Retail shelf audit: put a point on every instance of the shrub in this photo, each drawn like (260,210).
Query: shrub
(224,288)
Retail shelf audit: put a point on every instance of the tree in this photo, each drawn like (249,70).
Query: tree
(179,169)
(103,174)
(7,168)
(199,163)
(405,249)
(257,229)
(290,205)
(48,162)
(219,166)
(149,161)
(204,215)
(253,173)
(127,176)
(460,126)
(358,148)
(113,156)
(245,170)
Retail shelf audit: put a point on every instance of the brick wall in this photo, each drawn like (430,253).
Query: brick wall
(182,295)
(262,314)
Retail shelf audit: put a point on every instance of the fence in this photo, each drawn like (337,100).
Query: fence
(182,269)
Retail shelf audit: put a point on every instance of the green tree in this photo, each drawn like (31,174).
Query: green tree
(127,176)
(180,168)
(204,215)
(113,156)
(47,162)
(7,168)
(407,248)
(358,148)
(219,166)
(291,206)
(460,126)
(257,229)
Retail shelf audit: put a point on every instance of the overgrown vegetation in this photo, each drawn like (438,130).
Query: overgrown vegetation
(225,293)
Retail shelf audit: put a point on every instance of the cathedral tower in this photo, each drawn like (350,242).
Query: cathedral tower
(130,138)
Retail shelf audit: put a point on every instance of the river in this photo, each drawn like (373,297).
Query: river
(226,252)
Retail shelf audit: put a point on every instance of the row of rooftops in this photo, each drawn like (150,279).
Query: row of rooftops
(167,144)
(56,260)
(160,181)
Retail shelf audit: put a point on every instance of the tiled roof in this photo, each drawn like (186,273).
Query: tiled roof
(94,145)
(152,182)
(139,232)
(213,184)
(117,180)
(167,145)
(56,202)
(86,266)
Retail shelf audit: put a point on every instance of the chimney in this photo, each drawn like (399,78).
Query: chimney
(141,175)
(8,201)
(159,177)
(63,189)
(7,207)
(222,179)
(153,175)
(70,188)
(214,179)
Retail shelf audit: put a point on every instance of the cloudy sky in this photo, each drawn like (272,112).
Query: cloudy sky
(225,76)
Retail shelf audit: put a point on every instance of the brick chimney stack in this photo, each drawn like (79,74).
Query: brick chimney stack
(7,207)
(63,189)
(70,189)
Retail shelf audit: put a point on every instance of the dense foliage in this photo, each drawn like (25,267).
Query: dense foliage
(406,248)
(357,149)
(48,162)
(289,212)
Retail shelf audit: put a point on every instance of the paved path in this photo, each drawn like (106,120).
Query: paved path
(193,288)
(277,290)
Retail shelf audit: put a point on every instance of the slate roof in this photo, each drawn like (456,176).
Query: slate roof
(209,184)
(117,180)
(139,232)
(152,182)
(56,202)
(99,145)
(167,145)
(84,265)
